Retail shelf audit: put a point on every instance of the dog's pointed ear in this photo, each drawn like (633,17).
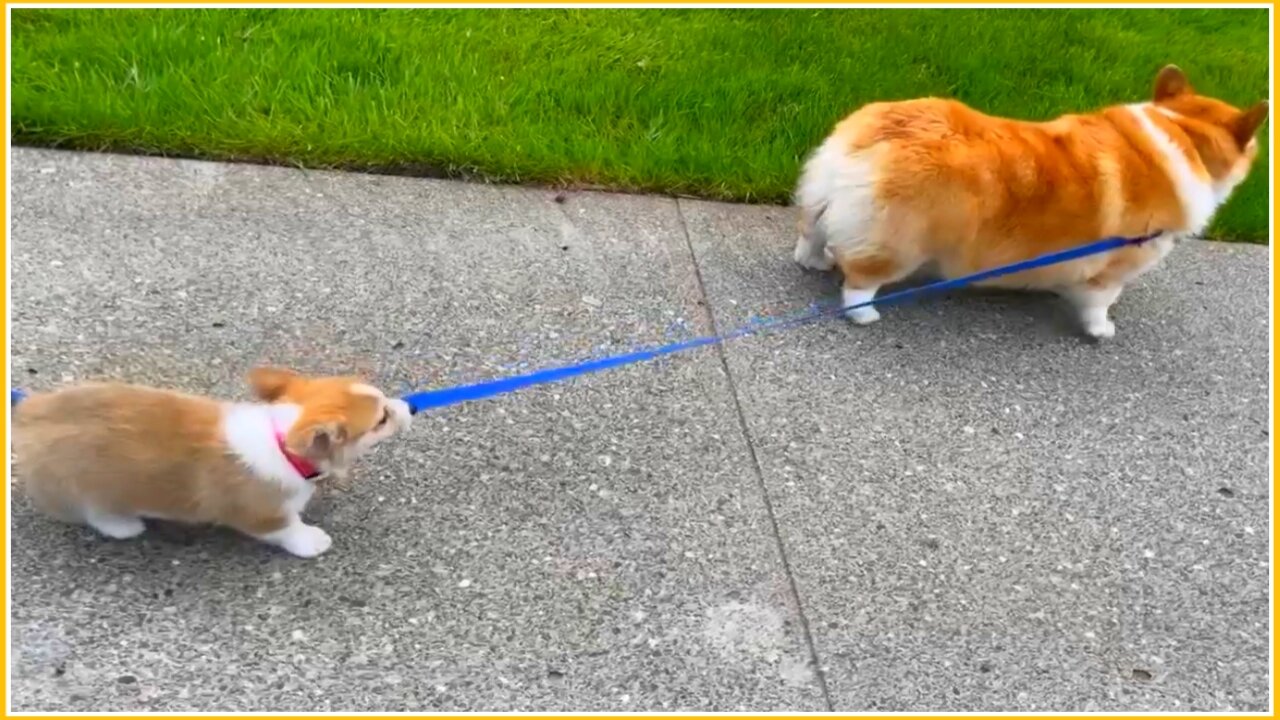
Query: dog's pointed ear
(269,383)
(1170,82)
(317,441)
(1248,123)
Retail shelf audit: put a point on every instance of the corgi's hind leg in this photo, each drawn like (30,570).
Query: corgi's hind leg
(865,271)
(811,246)
(891,252)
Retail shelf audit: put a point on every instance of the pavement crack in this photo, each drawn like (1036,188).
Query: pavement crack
(723,355)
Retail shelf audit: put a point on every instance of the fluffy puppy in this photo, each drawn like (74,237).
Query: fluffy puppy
(109,455)
(900,185)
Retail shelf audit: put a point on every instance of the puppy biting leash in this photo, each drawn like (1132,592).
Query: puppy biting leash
(444,397)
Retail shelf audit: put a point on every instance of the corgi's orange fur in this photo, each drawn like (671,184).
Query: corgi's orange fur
(109,455)
(932,182)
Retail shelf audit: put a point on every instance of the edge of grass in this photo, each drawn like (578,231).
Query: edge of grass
(687,103)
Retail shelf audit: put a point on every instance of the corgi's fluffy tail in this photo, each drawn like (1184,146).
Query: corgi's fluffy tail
(836,199)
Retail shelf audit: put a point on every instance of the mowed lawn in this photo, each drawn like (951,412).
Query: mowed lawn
(714,103)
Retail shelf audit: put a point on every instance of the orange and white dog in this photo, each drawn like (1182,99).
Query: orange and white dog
(932,182)
(109,455)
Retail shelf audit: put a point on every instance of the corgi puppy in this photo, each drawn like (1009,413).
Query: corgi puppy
(901,185)
(109,455)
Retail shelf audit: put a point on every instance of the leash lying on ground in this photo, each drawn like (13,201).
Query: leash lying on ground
(444,397)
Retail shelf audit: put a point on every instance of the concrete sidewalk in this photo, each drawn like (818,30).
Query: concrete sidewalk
(962,507)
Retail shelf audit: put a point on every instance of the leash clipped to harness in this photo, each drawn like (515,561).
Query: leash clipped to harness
(443,397)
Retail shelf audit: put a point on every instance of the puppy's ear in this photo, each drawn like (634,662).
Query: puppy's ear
(1249,122)
(269,383)
(317,441)
(1170,82)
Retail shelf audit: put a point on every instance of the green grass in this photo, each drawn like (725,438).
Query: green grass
(714,103)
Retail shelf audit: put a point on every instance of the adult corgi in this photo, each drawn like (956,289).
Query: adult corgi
(898,185)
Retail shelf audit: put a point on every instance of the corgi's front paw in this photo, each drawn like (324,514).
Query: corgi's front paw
(307,541)
(300,539)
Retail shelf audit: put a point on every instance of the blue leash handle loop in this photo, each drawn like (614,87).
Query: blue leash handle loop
(443,397)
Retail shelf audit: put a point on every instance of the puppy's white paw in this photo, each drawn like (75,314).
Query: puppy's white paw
(809,257)
(305,540)
(119,527)
(1100,329)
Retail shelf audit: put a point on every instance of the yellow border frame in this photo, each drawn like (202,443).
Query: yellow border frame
(4,248)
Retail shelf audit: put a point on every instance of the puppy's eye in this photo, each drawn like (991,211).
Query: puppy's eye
(386,418)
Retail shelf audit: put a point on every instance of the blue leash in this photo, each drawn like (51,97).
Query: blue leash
(443,397)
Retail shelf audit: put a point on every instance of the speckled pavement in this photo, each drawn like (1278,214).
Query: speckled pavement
(965,506)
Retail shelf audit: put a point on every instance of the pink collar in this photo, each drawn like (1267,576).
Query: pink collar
(300,464)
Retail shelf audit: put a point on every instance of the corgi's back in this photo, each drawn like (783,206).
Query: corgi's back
(107,444)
